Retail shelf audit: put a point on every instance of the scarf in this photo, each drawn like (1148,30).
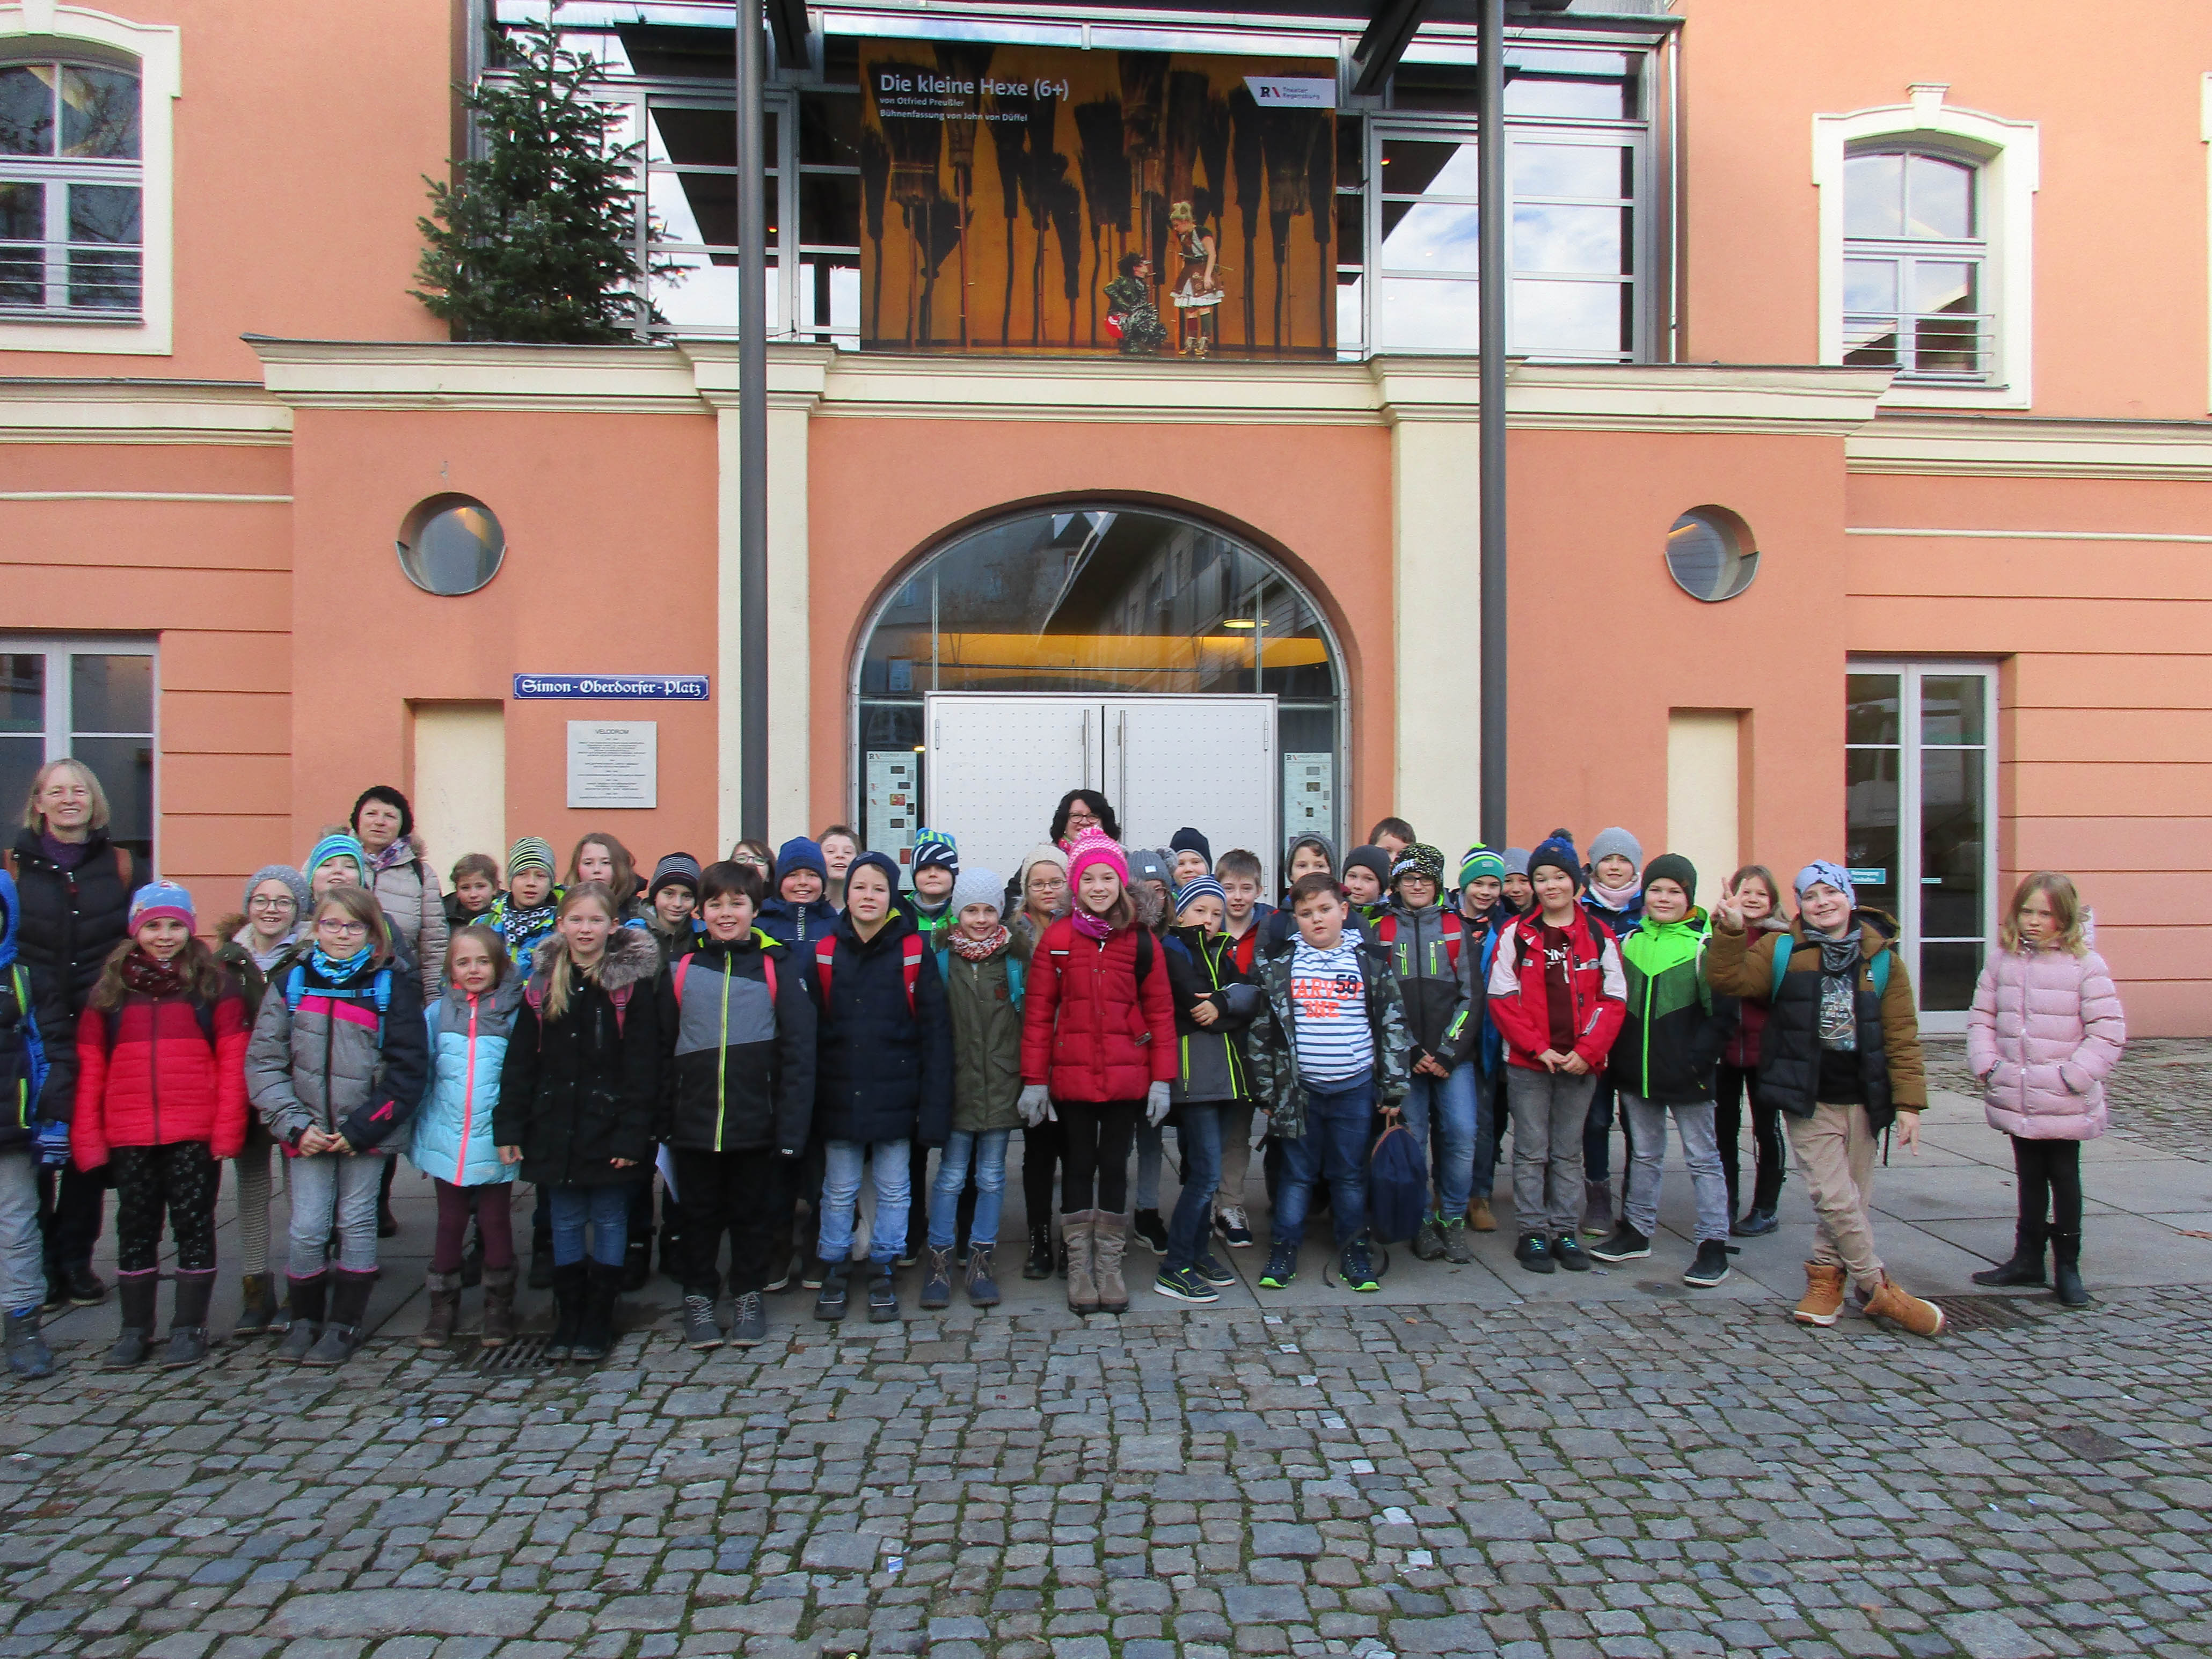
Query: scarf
(1615,898)
(1091,926)
(1838,1024)
(970,951)
(337,970)
(66,855)
(391,858)
(154,978)
(521,924)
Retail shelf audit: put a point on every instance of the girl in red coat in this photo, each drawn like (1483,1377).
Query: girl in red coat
(1098,1048)
(161,1101)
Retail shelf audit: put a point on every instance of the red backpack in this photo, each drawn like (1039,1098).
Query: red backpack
(825,955)
(768,969)
(1386,935)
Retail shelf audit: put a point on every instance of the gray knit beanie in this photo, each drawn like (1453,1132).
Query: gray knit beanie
(1607,842)
(284,872)
(975,886)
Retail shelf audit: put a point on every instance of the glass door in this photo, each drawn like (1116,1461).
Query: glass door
(1920,783)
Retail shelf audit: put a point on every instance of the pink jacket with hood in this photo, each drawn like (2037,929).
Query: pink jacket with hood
(2045,1031)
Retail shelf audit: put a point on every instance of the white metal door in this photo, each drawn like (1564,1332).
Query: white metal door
(997,766)
(1205,761)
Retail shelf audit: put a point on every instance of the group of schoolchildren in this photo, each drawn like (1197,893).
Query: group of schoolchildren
(780,1029)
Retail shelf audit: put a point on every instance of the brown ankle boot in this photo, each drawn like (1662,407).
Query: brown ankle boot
(1110,1237)
(1824,1294)
(1891,1303)
(1479,1218)
(1075,1231)
(445,1310)
(498,1308)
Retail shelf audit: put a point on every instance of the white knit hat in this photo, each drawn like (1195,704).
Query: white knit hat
(976,885)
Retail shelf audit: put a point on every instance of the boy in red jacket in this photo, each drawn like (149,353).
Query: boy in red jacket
(1557,996)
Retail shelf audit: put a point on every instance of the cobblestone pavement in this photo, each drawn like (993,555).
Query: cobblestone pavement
(2160,1093)
(1657,1477)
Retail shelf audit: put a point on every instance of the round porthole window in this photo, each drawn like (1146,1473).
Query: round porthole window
(451,545)
(1710,554)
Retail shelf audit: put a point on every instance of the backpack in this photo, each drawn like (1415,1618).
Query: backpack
(1397,1184)
(1877,967)
(683,966)
(1386,935)
(295,987)
(33,1079)
(910,948)
(1013,973)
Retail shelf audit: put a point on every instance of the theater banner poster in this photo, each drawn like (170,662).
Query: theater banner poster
(1020,198)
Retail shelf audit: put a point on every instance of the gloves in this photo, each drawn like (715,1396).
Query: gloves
(53,1144)
(1156,1104)
(1035,1104)
(1260,1122)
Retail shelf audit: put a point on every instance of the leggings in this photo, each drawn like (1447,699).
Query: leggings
(489,1203)
(1732,1086)
(183,1177)
(2049,1174)
(1041,1153)
(1095,1153)
(252,1167)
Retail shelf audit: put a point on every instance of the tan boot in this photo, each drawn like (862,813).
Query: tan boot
(1110,1237)
(498,1308)
(445,1291)
(1479,1217)
(1891,1303)
(1075,1231)
(1824,1294)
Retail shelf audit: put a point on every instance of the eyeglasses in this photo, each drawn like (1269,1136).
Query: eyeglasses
(1078,815)
(333,925)
(283,901)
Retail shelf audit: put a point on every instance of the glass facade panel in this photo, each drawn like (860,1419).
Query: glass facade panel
(100,113)
(1412,315)
(27,110)
(124,767)
(111,694)
(1870,810)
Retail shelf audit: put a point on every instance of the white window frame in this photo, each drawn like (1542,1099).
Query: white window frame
(58,649)
(40,29)
(2009,157)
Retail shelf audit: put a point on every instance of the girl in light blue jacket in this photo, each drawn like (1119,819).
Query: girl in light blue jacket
(454,1142)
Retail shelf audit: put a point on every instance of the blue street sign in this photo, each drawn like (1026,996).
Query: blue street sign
(622,687)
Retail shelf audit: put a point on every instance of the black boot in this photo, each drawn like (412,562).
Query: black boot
(595,1335)
(569,1280)
(188,1337)
(1039,1265)
(307,1299)
(2026,1266)
(2066,1263)
(637,1264)
(134,1295)
(347,1323)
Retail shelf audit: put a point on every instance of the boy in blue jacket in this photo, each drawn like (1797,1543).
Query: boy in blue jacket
(38,1081)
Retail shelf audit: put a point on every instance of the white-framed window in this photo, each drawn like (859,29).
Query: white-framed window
(1927,249)
(85,698)
(85,161)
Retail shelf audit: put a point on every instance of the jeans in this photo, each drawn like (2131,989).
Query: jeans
(334,1191)
(1441,1114)
(22,1252)
(1597,1132)
(886,1162)
(1647,1122)
(1732,1086)
(182,1178)
(1198,1137)
(1549,1111)
(1333,1148)
(746,1194)
(984,1152)
(1094,1157)
(1152,1153)
(605,1210)
(2050,1176)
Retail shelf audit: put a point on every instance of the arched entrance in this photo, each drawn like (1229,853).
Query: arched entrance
(1131,649)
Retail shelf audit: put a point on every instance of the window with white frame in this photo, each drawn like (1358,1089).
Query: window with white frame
(1913,259)
(71,220)
(90,700)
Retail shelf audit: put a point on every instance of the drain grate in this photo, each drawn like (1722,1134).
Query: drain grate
(1989,1313)
(525,1353)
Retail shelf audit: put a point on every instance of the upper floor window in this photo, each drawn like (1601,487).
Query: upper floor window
(1914,255)
(71,237)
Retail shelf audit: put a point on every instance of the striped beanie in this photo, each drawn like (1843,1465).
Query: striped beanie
(1478,862)
(338,846)
(531,853)
(1203,887)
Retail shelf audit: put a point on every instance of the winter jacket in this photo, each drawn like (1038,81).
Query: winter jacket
(799,925)
(577,1093)
(740,1071)
(522,941)
(1273,1040)
(1521,1002)
(416,908)
(676,942)
(252,985)
(1211,1064)
(458,917)
(1096,1029)
(1744,1042)
(1620,923)
(2045,1030)
(1483,932)
(468,1037)
(1247,944)
(334,1063)
(73,919)
(884,1070)
(931,923)
(38,1040)
(1435,966)
(1676,1024)
(150,1074)
(985,998)
(1886,1070)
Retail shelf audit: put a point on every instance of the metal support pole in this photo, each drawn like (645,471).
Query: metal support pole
(752,430)
(1492,205)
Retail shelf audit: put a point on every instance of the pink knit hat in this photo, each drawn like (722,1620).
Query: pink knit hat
(1096,847)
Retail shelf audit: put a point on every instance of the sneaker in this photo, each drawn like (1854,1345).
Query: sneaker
(1459,1249)
(1209,1267)
(911,1254)
(1623,1243)
(814,1274)
(750,1328)
(1754,1223)
(1535,1254)
(1429,1242)
(1150,1230)
(780,1278)
(1282,1267)
(830,1303)
(1356,1264)
(700,1333)
(83,1285)
(1235,1230)
(1184,1284)
(1567,1251)
(883,1298)
(1711,1266)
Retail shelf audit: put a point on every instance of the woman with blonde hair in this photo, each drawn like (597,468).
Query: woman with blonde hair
(2045,1030)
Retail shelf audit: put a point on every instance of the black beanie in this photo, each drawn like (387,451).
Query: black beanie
(1672,867)
(1187,839)
(389,797)
(1373,859)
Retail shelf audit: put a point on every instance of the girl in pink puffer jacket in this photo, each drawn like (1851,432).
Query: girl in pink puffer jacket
(2045,1031)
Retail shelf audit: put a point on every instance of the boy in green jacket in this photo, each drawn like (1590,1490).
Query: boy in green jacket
(1662,1063)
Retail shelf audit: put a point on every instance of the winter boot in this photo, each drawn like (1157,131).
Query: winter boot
(637,1265)
(830,1303)
(1890,1303)
(937,1277)
(28,1356)
(2066,1252)
(2026,1266)
(569,1282)
(1479,1217)
(445,1312)
(1109,1238)
(1038,1264)
(1075,1239)
(542,1269)
(188,1337)
(134,1295)
(983,1289)
(595,1335)
(1824,1294)
(1597,1208)
(498,1308)
(256,1306)
(349,1311)
(305,1298)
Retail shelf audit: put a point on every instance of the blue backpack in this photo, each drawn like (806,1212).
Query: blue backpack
(1397,1185)
(378,990)
(1786,947)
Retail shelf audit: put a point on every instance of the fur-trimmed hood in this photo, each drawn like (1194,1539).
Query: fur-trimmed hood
(632,958)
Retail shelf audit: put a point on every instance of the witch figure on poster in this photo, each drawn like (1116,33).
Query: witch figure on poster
(1198,294)
(1130,312)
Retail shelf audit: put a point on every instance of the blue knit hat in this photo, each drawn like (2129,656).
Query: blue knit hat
(1558,850)
(338,846)
(158,900)
(1202,887)
(1187,839)
(933,849)
(800,853)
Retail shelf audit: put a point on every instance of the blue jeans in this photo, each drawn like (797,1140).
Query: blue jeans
(605,1210)
(1333,1148)
(1441,1114)
(988,1151)
(1198,1134)
(841,1191)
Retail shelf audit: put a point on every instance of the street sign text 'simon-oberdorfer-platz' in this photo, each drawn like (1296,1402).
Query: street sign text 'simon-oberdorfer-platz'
(628,687)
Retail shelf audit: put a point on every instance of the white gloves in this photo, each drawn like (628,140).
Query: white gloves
(1035,1104)
(1156,1104)
(1259,1124)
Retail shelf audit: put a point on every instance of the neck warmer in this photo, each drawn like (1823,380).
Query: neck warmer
(391,857)
(972,951)
(154,978)
(522,923)
(337,970)
(1615,898)
(66,855)
(1089,926)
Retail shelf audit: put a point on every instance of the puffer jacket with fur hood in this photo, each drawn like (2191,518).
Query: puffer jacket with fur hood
(2045,1030)
(578,1093)
(333,1063)
(412,901)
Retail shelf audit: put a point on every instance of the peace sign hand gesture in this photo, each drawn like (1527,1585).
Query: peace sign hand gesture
(1728,913)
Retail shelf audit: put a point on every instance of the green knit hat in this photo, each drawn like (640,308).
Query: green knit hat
(1481,861)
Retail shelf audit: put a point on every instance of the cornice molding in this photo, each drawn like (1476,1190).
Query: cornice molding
(611,379)
(65,410)
(2015,447)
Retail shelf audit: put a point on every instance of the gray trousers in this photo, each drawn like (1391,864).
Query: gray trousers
(334,1190)
(1548,1111)
(22,1250)
(1647,1131)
